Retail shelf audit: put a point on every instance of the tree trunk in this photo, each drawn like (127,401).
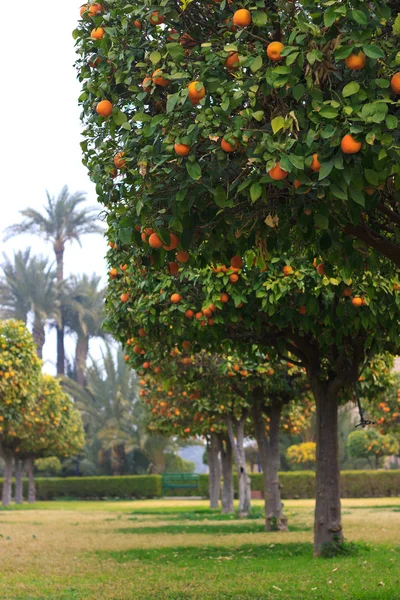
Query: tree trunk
(7,480)
(269,450)
(59,252)
(328,524)
(214,471)
(227,474)
(81,352)
(244,482)
(39,335)
(31,482)
(19,472)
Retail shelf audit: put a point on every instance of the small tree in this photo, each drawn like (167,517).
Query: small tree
(371,444)
(302,454)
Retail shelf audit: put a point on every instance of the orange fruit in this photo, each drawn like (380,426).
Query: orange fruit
(182,149)
(195,95)
(176,298)
(155,241)
(274,50)
(104,108)
(302,311)
(321,269)
(270,372)
(297,183)
(137,349)
(186,345)
(236,262)
(277,173)
(199,315)
(349,145)
(315,164)
(94,9)
(142,332)
(126,357)
(189,314)
(137,24)
(233,278)
(355,62)
(146,365)
(113,273)
(182,256)
(173,242)
(146,84)
(224,298)
(230,24)
(125,297)
(97,33)
(123,267)
(242,17)
(158,79)
(212,307)
(232,62)
(357,301)
(83,9)
(396,287)
(187,41)
(287,270)
(395,83)
(227,147)
(207,312)
(119,160)
(156,18)
(347,292)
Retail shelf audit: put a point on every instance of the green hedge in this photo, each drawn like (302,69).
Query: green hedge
(297,484)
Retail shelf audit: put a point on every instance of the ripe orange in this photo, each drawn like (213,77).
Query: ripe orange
(242,17)
(270,372)
(212,307)
(146,84)
(347,292)
(137,349)
(395,83)
(113,273)
(155,241)
(302,311)
(230,24)
(396,287)
(189,314)
(321,269)
(274,50)
(199,315)
(232,62)
(224,298)
(207,312)
(357,301)
(233,278)
(137,24)
(287,270)
(104,108)
(146,365)
(94,9)
(173,268)
(315,165)
(173,242)
(355,62)
(349,145)
(176,298)
(277,173)
(97,33)
(297,183)
(182,256)
(236,262)
(123,267)
(119,161)
(126,357)
(83,9)
(195,95)
(125,297)
(142,332)
(186,345)
(182,149)
(158,79)
(156,18)
(210,322)
(227,147)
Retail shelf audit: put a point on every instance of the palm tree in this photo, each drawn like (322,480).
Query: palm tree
(64,221)
(83,314)
(29,286)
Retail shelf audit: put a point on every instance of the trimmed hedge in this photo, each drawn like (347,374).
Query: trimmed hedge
(296,484)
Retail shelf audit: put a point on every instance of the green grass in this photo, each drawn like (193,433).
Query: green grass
(182,550)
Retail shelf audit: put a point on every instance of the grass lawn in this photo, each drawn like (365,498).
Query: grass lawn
(180,550)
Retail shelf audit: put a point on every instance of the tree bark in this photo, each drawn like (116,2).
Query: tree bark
(7,480)
(228,492)
(31,482)
(270,459)
(59,252)
(81,352)
(214,470)
(244,482)
(19,471)
(328,523)
(39,335)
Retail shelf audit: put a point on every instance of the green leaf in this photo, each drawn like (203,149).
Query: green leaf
(172,101)
(256,64)
(259,18)
(255,191)
(298,91)
(175,50)
(297,161)
(351,88)
(321,221)
(328,112)
(343,52)
(396,25)
(338,192)
(359,17)
(258,115)
(325,170)
(277,124)
(391,122)
(330,16)
(119,117)
(373,51)
(155,57)
(193,169)
(125,235)
(357,196)
(371,176)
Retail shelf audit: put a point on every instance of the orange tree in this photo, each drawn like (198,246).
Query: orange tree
(234,121)
(19,378)
(52,427)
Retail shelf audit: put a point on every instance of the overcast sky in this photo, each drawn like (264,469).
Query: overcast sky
(40,135)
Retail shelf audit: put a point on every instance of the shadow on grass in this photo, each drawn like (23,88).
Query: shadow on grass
(199,528)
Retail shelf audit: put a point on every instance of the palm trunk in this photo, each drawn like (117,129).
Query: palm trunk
(269,450)
(7,481)
(214,469)
(244,482)
(31,482)
(227,474)
(81,352)
(59,252)
(39,335)
(328,524)
(19,471)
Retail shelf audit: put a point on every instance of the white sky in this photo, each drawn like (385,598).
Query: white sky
(40,133)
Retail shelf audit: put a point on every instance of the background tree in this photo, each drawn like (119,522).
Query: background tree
(371,444)
(302,454)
